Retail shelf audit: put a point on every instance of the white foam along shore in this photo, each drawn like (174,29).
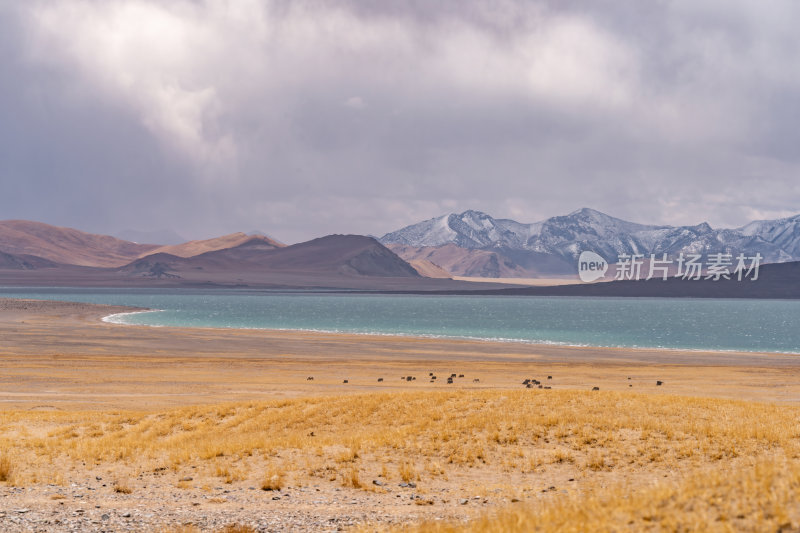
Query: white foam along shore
(115,319)
(118,318)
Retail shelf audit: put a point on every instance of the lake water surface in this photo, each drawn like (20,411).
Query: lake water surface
(695,324)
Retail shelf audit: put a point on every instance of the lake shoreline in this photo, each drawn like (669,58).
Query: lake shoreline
(62,353)
(111,319)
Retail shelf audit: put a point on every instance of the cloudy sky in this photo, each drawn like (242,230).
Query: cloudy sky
(305,118)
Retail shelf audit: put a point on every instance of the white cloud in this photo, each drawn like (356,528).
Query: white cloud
(147,55)
(523,109)
(355,102)
(572,61)
(184,66)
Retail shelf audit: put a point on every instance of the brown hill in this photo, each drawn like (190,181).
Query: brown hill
(486,263)
(461,261)
(24,262)
(256,260)
(428,269)
(192,248)
(67,245)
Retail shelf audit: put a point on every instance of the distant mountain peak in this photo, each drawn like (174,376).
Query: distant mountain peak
(588,211)
(704,227)
(472,213)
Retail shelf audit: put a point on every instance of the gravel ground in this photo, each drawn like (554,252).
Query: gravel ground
(96,507)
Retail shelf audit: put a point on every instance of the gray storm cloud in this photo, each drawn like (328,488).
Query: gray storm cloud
(305,118)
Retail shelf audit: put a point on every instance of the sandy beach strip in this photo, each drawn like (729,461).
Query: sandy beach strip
(61,355)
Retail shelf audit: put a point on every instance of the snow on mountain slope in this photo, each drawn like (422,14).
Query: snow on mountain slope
(436,231)
(783,233)
(565,237)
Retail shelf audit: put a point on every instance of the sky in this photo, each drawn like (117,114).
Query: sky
(306,118)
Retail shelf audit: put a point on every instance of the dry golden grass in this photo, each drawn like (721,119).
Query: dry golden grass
(761,497)
(232,528)
(274,479)
(180,529)
(228,473)
(237,528)
(122,487)
(351,478)
(407,472)
(6,468)
(459,427)
(745,453)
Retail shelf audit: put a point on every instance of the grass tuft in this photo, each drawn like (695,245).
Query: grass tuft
(351,479)
(6,468)
(407,472)
(273,479)
(237,528)
(122,487)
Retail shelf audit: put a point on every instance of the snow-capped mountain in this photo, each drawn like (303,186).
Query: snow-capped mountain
(554,244)
(470,229)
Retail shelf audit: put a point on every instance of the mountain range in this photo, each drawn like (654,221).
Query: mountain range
(419,257)
(344,255)
(37,254)
(473,243)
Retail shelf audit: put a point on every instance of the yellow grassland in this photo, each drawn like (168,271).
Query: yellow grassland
(761,496)
(624,461)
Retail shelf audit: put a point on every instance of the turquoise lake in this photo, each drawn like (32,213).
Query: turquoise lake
(694,324)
